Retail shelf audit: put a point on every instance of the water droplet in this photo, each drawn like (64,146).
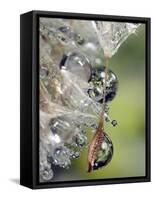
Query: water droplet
(104,155)
(78,64)
(62,128)
(47,175)
(94,126)
(61,156)
(76,154)
(107,119)
(114,122)
(79,39)
(97,83)
(80,140)
(65,34)
(64,29)
(106,108)
(44,72)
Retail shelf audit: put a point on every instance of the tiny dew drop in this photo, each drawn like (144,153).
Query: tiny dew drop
(64,34)
(64,29)
(44,72)
(114,123)
(80,140)
(76,154)
(79,39)
(47,175)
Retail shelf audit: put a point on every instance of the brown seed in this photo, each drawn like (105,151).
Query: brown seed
(94,147)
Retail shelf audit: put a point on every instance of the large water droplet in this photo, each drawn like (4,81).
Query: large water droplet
(97,84)
(78,64)
(104,155)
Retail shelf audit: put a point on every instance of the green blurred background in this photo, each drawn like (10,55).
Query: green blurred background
(128,108)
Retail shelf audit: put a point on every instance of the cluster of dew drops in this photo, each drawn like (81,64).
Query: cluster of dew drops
(77,64)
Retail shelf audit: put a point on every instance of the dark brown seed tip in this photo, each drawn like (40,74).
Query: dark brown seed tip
(89,167)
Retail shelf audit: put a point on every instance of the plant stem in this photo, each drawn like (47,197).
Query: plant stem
(101,121)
